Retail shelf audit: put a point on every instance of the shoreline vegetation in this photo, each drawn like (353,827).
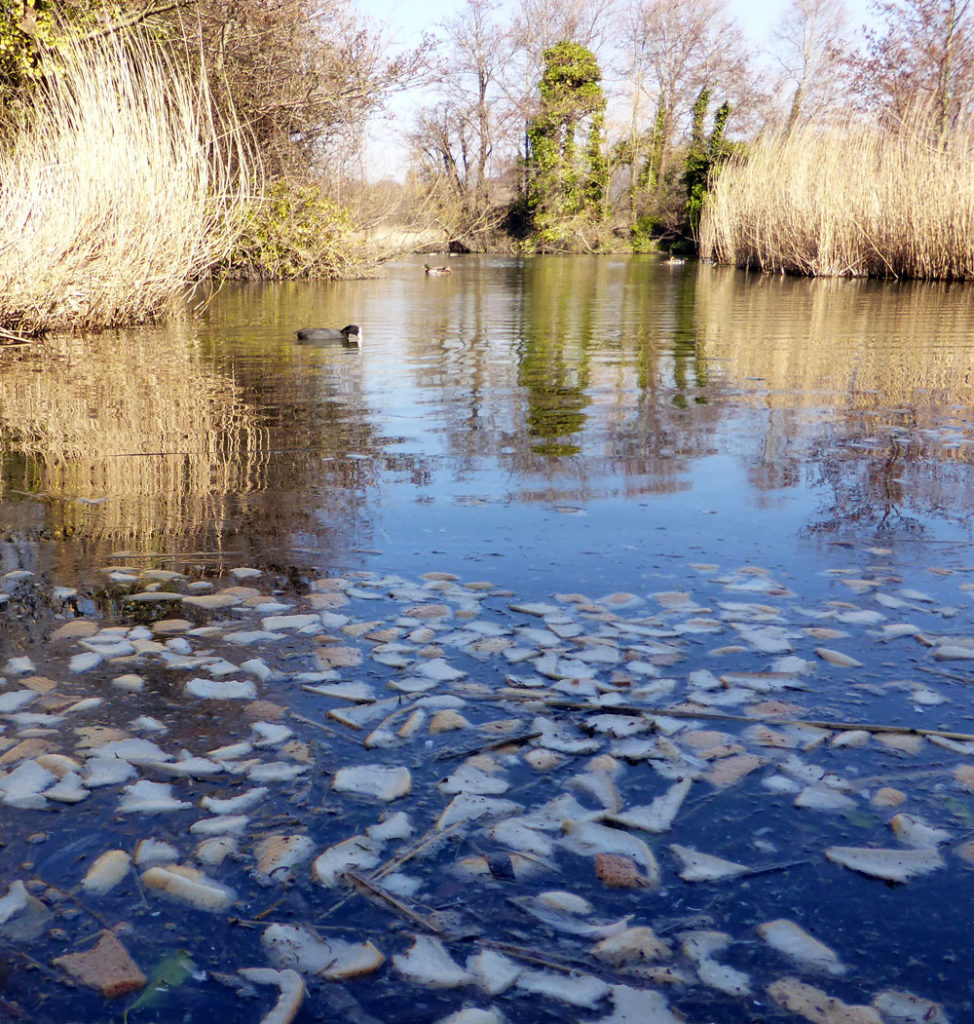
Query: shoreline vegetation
(851,201)
(119,189)
(188,141)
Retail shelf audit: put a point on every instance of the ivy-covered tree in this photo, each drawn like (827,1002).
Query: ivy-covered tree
(703,158)
(567,183)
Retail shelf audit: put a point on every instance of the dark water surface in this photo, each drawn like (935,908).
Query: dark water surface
(555,426)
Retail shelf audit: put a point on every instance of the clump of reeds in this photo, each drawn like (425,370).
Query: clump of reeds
(857,200)
(118,190)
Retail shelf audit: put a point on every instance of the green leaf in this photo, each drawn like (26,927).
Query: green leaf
(171,971)
(861,819)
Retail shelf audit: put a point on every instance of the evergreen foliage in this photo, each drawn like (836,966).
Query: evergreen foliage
(566,189)
(704,158)
(30,32)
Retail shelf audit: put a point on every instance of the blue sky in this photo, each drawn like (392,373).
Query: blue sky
(408,18)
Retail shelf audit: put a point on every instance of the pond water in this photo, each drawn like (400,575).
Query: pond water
(568,419)
(703,470)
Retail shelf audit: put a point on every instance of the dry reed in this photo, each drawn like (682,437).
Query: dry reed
(120,189)
(856,201)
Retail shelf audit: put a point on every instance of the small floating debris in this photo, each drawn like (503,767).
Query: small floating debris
(891,865)
(145,797)
(221,689)
(107,871)
(837,658)
(638,1006)
(188,885)
(335,959)
(625,708)
(899,1007)
(14,902)
(291,986)
(635,945)
(657,817)
(235,805)
(561,917)
(911,831)
(589,837)
(794,942)
(106,967)
(357,853)
(278,856)
(815,1005)
(428,963)
(492,971)
(700,947)
(704,867)
(379,781)
(276,771)
(577,989)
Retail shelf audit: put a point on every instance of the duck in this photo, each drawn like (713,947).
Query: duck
(348,335)
(675,261)
(437,270)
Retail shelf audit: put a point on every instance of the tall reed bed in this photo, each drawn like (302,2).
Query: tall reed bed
(855,200)
(118,191)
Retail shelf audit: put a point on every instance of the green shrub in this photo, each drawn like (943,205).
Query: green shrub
(643,234)
(293,231)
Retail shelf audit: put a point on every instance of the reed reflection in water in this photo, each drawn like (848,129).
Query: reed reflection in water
(866,389)
(484,404)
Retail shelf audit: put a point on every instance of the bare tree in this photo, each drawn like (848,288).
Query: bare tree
(677,50)
(924,53)
(540,24)
(455,137)
(301,75)
(813,54)
(479,50)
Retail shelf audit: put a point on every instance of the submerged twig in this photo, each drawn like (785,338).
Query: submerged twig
(483,748)
(721,716)
(371,891)
(432,835)
(767,869)
(61,979)
(941,673)
(15,339)
(269,910)
(10,1008)
(531,956)
(317,725)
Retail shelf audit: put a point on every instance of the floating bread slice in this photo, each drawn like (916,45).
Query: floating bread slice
(891,865)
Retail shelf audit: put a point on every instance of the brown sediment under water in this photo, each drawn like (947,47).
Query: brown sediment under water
(590,642)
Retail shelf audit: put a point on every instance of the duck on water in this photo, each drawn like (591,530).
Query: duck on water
(349,335)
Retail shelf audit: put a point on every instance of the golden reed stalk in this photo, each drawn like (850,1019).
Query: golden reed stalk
(856,200)
(118,191)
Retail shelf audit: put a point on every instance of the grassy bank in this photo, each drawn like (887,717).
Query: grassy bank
(117,192)
(855,201)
